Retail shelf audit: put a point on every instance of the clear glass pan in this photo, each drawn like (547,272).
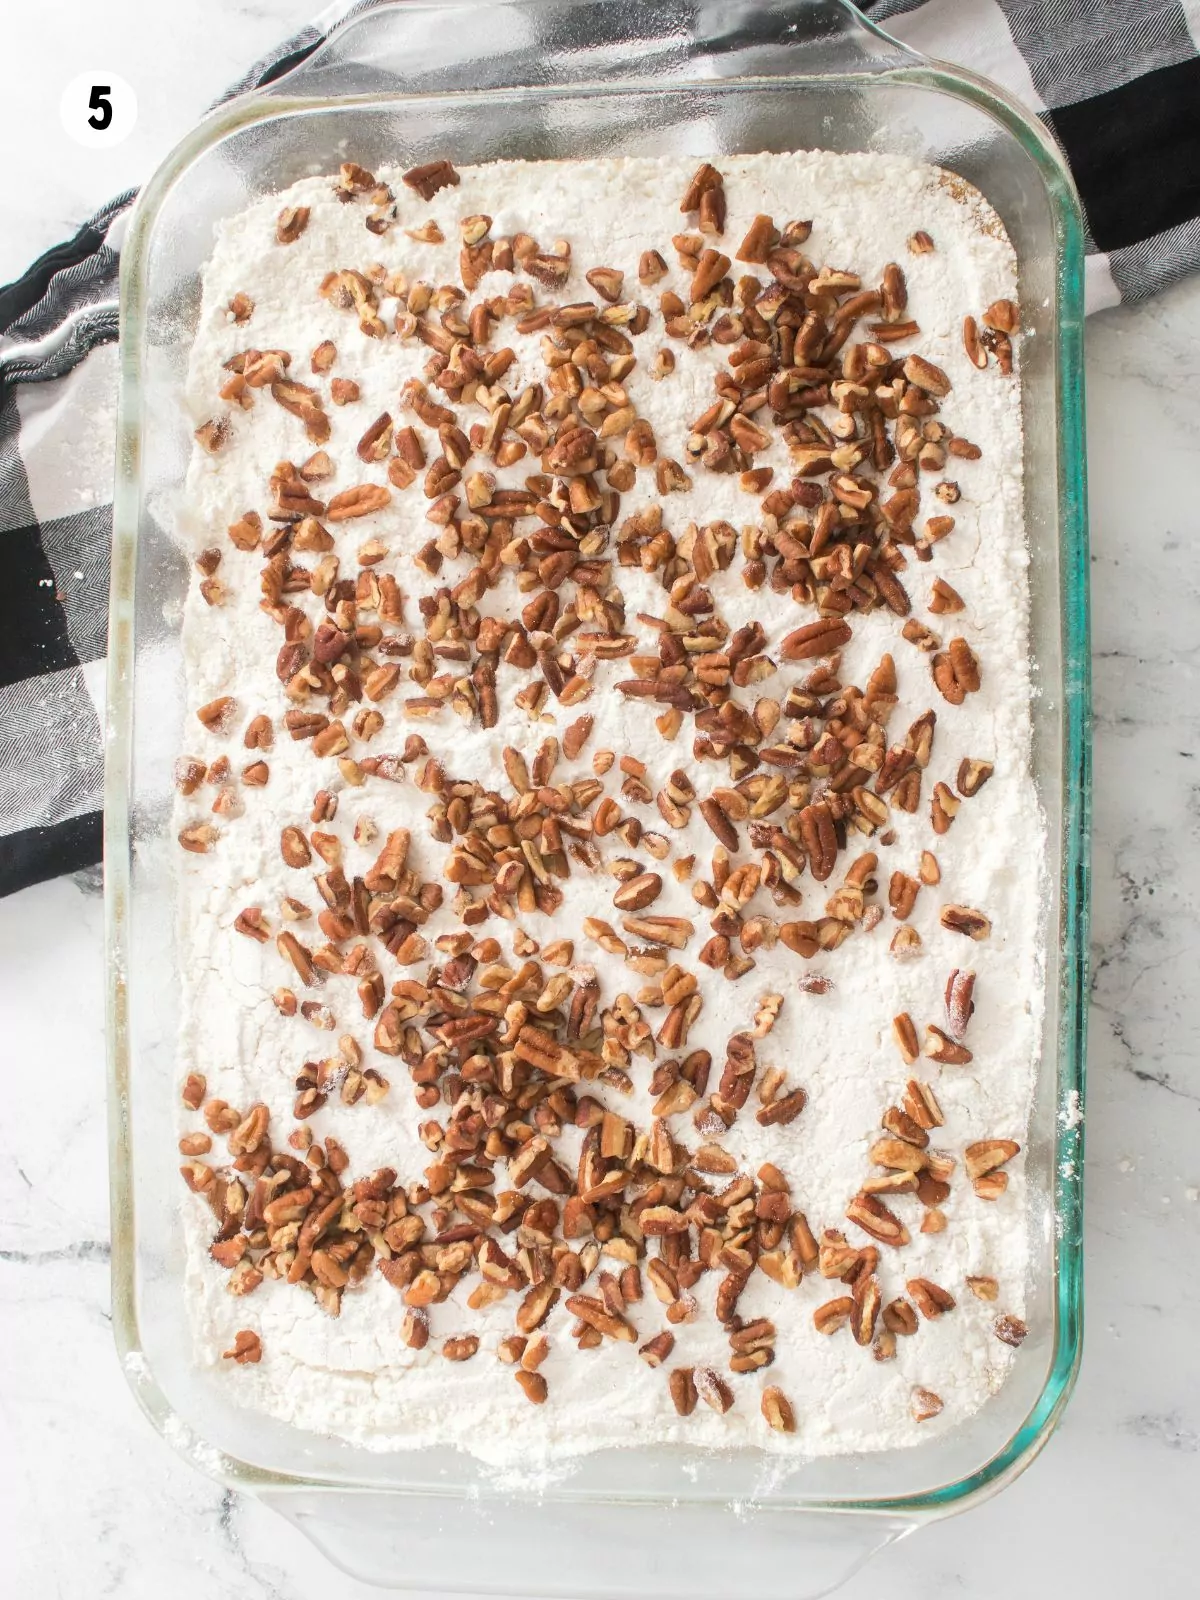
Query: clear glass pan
(543,78)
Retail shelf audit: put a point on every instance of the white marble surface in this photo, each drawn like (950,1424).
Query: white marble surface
(93,1503)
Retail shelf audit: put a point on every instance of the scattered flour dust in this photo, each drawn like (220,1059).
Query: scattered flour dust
(353,1377)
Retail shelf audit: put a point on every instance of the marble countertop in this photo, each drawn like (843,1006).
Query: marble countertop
(92,1502)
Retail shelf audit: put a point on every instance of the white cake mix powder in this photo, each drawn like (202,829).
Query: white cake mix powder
(353,1375)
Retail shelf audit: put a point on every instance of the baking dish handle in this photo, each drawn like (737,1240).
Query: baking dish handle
(588,1550)
(469,45)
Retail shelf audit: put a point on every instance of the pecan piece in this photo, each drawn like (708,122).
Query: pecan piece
(710,269)
(874,1218)
(972,775)
(777,1410)
(924,1404)
(944,598)
(972,344)
(576,735)
(921,1104)
(956,671)
(607,283)
(705,178)
(638,892)
(983,1288)
(906,943)
(358,502)
(301,401)
(815,639)
(712,1389)
(962,919)
(987,1154)
(1002,316)
(195,1086)
(782,1111)
(461,1348)
(719,822)
(291,223)
(533,1386)
(656,1350)
(597,1315)
(867,1299)
(376,442)
(899,1155)
(834,1314)
(428,178)
(960,987)
(652,268)
(536,1306)
(905,1032)
(415,1328)
(299,955)
(931,1299)
(899,1317)
(941,1048)
(901,1126)
(247,1348)
(802,937)
(761,238)
(683,1390)
(902,895)
(252,924)
(991,1186)
(926,376)
(1010,1330)
(943,808)
(198,837)
(217,714)
(819,836)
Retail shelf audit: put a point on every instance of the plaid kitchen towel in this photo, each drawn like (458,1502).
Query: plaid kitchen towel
(1116,81)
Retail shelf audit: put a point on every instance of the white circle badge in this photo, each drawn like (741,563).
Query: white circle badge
(98,109)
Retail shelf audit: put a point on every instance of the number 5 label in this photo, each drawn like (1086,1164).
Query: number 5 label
(98,109)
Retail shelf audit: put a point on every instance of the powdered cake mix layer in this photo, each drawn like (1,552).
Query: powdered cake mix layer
(609,891)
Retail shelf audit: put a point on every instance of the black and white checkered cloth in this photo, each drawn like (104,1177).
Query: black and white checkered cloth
(1116,81)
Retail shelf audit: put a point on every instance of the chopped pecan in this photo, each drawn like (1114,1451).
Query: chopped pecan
(924,375)
(972,775)
(931,1299)
(834,1314)
(247,1348)
(461,1348)
(358,502)
(1003,316)
(712,1389)
(815,639)
(962,919)
(960,1004)
(777,1410)
(874,1218)
(1010,1330)
(291,223)
(940,1047)
(924,1404)
(987,1154)
(683,1390)
(533,1385)
(983,1288)
(427,179)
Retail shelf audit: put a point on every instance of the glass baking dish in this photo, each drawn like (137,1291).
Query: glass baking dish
(555,78)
